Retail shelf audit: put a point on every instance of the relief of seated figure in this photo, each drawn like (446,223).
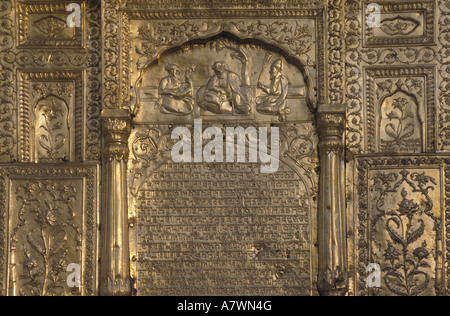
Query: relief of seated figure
(175,93)
(224,94)
(274,102)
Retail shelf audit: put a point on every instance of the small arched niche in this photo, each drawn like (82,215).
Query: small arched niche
(401,124)
(51,133)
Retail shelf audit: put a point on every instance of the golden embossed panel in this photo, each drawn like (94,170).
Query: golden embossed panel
(54,66)
(249,63)
(401,109)
(402,23)
(222,229)
(49,221)
(51,116)
(248,47)
(44,24)
(401,211)
(374,60)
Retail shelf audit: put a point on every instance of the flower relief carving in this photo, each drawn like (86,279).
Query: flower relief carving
(45,237)
(59,88)
(50,26)
(51,132)
(401,120)
(405,231)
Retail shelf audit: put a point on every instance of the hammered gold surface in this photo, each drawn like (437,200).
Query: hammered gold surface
(87,109)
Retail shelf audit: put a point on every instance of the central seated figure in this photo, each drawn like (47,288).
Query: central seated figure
(224,94)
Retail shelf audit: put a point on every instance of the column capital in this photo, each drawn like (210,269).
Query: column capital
(331,118)
(116,127)
(331,126)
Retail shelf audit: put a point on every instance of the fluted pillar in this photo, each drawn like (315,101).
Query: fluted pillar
(333,261)
(115,258)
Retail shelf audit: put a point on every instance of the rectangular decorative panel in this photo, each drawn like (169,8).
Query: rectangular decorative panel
(48,223)
(401,109)
(375,61)
(402,23)
(401,224)
(44,24)
(222,228)
(51,116)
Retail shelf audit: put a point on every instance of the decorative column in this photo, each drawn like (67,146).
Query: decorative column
(333,260)
(115,258)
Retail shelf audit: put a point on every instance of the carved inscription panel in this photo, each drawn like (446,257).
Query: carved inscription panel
(223,228)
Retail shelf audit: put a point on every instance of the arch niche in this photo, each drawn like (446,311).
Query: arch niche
(223,228)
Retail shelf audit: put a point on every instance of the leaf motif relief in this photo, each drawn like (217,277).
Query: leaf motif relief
(399,126)
(385,86)
(43,230)
(47,89)
(407,255)
(165,34)
(390,130)
(35,244)
(415,235)
(396,237)
(297,37)
(52,130)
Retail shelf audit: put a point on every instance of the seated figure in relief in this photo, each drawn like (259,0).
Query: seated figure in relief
(274,101)
(176,94)
(224,93)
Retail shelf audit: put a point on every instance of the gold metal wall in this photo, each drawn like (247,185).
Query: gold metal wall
(50,94)
(86,175)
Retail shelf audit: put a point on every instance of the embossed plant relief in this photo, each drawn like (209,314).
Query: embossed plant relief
(399,26)
(406,230)
(401,116)
(50,220)
(43,255)
(222,79)
(52,132)
(51,129)
(50,26)
(400,124)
